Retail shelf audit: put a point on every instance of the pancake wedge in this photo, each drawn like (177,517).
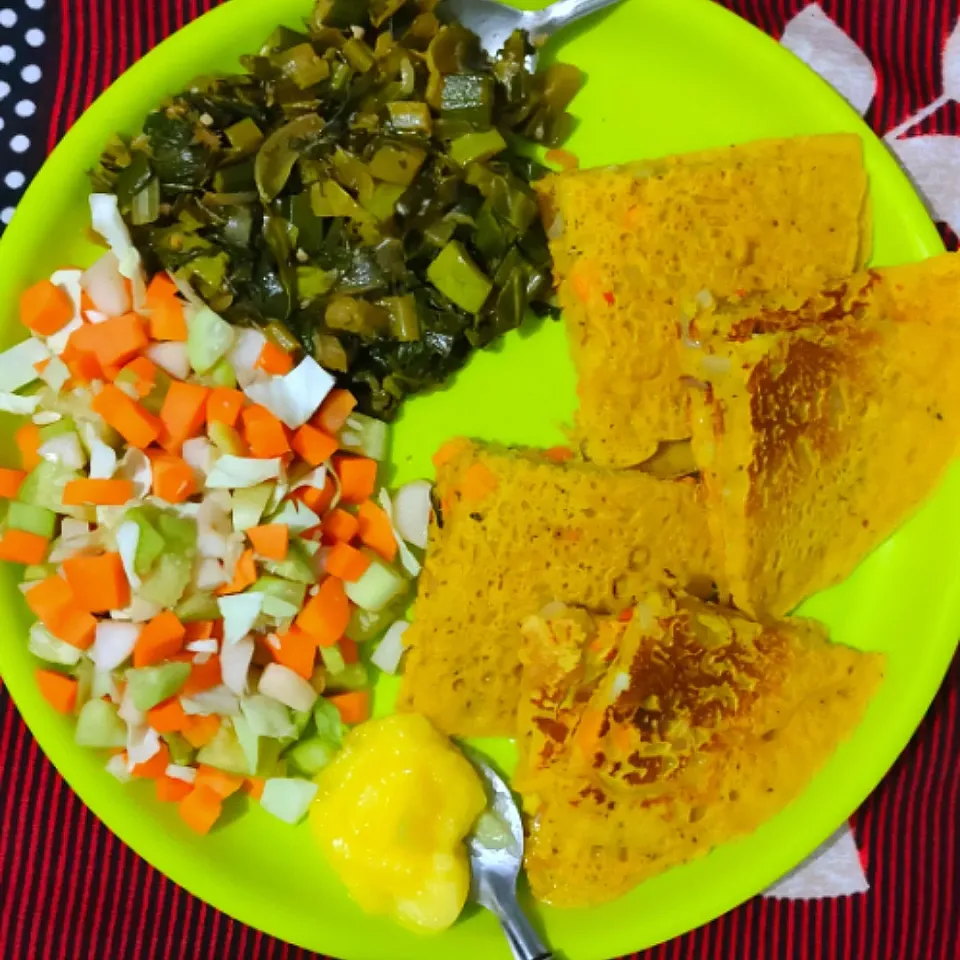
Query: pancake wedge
(635,247)
(820,425)
(647,743)
(512,532)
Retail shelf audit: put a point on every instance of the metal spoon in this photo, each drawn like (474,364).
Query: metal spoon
(493,22)
(496,854)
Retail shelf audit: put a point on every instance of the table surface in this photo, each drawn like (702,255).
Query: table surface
(69,889)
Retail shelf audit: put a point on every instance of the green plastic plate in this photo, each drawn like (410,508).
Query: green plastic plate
(664,76)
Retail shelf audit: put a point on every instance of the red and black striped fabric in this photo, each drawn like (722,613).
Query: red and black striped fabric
(69,890)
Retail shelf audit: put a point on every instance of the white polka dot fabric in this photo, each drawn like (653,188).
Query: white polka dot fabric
(23,51)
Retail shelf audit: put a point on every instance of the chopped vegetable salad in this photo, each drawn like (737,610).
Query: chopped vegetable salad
(204,539)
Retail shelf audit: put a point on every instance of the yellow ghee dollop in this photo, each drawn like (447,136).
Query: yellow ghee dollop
(391,814)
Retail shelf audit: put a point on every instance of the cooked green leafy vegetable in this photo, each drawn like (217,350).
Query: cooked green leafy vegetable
(359,193)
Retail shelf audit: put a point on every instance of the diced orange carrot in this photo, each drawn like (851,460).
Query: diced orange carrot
(313,445)
(100,493)
(98,583)
(198,630)
(203,676)
(479,481)
(264,433)
(21,546)
(326,614)
(244,574)
(59,690)
(135,424)
(296,650)
(217,781)
(346,562)
(142,372)
(159,640)
(156,766)
(167,321)
(316,499)
(564,159)
(48,600)
(75,626)
(10,481)
(333,412)
(254,786)
(558,454)
(173,478)
(376,530)
(449,450)
(48,597)
(200,808)
(168,716)
(338,525)
(53,603)
(161,287)
(358,478)
(83,367)
(354,706)
(114,341)
(349,650)
(224,405)
(184,411)
(271,540)
(274,360)
(45,308)
(200,730)
(27,439)
(171,789)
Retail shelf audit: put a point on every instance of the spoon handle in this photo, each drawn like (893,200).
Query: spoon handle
(558,15)
(523,939)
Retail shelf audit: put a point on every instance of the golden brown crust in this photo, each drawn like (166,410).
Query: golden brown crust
(821,425)
(701,726)
(515,532)
(633,247)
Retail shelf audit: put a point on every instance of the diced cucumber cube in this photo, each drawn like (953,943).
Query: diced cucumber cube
(38,571)
(288,591)
(181,752)
(249,503)
(33,519)
(60,428)
(198,606)
(297,565)
(311,756)
(333,661)
(364,625)
(98,725)
(225,752)
(150,543)
(364,435)
(43,486)
(223,375)
(149,686)
(353,676)
(46,646)
(288,799)
(226,439)
(378,586)
(209,337)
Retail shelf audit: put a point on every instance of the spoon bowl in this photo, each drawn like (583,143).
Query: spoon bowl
(496,856)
